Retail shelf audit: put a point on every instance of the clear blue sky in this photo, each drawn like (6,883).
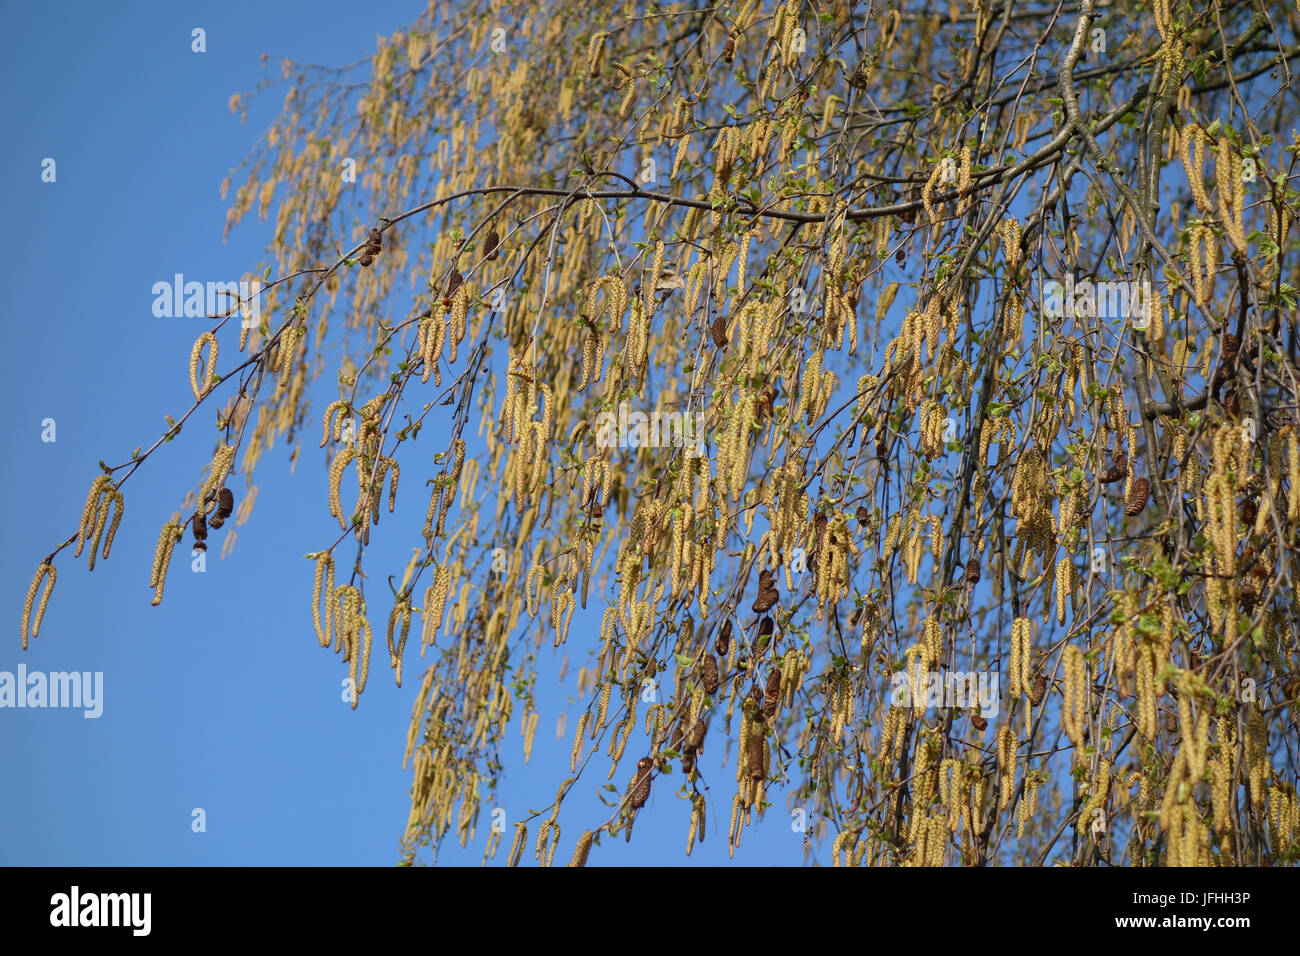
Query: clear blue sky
(220,698)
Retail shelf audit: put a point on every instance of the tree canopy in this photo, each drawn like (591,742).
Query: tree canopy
(884,412)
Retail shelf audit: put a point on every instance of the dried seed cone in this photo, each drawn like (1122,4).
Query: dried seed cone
(638,792)
(772,694)
(1116,472)
(695,742)
(724,639)
(711,680)
(718,330)
(491,246)
(767,592)
(973,571)
(754,755)
(639,789)
(454,282)
(1038,690)
(373,247)
(1137,499)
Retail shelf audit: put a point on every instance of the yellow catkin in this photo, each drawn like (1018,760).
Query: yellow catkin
(90,511)
(1204,261)
(1025,811)
(201,388)
(1293,473)
(1146,692)
(577,742)
(337,468)
(629,98)
(435,337)
(324,582)
(1097,801)
(696,834)
(1064,586)
(964,180)
(1156,317)
(596,54)
(683,145)
(530,731)
(605,691)
(582,849)
(1006,752)
(1019,667)
(927,191)
(223,458)
(284,354)
(1256,755)
(167,538)
(517,848)
(1193,156)
(47,574)
(332,421)
(1227,169)
(1074,707)
(435,603)
(112,497)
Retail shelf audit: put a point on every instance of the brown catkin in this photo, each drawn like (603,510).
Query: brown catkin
(1137,498)
(754,757)
(772,694)
(1039,689)
(711,680)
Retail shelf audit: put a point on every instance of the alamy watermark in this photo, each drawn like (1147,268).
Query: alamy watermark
(56,689)
(1102,300)
(179,298)
(628,429)
(966,690)
(129,910)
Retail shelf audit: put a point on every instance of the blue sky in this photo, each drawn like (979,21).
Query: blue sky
(220,698)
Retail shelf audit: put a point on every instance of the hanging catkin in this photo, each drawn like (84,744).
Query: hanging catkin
(1074,708)
(47,574)
(201,388)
